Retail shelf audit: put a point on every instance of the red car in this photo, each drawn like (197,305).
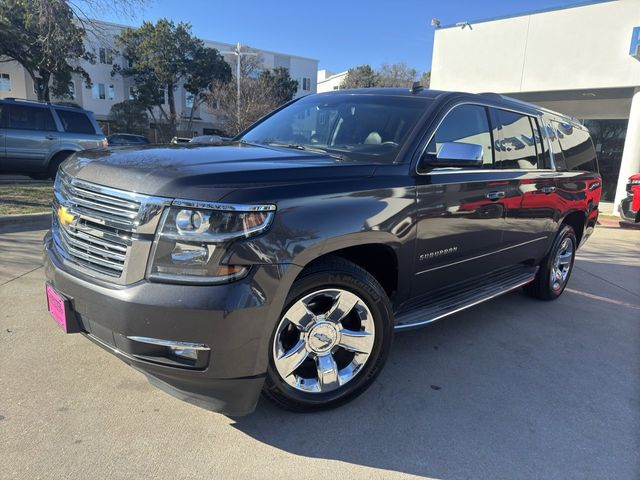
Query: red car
(630,207)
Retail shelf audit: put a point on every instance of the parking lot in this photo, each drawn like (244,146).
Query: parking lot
(513,388)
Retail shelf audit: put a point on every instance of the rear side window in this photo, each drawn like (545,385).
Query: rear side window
(518,147)
(577,147)
(465,124)
(30,118)
(75,122)
(550,136)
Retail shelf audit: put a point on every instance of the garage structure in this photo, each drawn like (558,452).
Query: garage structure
(582,60)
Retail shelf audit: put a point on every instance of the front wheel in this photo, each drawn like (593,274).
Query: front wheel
(332,339)
(556,268)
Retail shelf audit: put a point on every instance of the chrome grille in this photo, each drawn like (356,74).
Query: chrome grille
(95,227)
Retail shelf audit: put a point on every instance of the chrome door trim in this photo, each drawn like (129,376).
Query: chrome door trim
(480,256)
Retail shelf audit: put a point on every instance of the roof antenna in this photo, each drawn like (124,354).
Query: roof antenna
(416,87)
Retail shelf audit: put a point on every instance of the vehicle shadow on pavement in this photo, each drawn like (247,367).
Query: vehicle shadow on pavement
(513,388)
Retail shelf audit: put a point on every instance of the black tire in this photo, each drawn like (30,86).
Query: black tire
(543,287)
(334,272)
(54,164)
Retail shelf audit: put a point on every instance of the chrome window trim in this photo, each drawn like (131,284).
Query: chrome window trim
(479,104)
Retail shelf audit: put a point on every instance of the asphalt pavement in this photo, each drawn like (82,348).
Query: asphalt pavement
(511,389)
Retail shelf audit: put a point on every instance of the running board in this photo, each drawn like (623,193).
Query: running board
(457,298)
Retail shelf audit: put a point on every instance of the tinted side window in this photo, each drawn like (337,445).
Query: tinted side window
(549,131)
(30,118)
(465,124)
(518,144)
(577,147)
(75,122)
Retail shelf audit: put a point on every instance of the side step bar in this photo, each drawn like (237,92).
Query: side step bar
(457,298)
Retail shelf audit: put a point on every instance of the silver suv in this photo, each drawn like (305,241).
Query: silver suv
(36,137)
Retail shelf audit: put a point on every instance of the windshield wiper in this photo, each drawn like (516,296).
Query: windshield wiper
(306,148)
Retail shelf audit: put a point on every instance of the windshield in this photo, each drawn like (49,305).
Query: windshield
(366,127)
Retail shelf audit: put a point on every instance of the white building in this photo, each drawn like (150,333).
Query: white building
(108,90)
(581,60)
(328,82)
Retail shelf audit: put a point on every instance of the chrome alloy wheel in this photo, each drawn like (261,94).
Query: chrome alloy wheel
(562,265)
(324,340)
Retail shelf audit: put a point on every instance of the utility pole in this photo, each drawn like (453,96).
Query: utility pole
(239,54)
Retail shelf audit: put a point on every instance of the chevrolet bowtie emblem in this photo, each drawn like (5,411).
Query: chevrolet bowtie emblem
(64,216)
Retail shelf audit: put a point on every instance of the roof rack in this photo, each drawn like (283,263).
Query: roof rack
(495,96)
(67,104)
(25,100)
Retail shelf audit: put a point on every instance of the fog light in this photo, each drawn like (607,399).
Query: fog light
(188,353)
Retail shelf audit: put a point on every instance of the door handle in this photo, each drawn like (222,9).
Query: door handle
(495,195)
(51,137)
(548,190)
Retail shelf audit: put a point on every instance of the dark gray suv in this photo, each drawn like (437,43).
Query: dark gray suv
(283,261)
(36,137)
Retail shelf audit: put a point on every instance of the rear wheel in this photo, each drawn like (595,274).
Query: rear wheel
(331,340)
(555,270)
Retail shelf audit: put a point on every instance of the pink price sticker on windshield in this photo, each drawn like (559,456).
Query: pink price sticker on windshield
(56,306)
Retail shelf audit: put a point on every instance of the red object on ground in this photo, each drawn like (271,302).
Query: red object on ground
(635,190)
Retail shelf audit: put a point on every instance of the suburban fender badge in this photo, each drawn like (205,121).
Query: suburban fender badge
(438,253)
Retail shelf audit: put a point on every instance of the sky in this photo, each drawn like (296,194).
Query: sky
(340,34)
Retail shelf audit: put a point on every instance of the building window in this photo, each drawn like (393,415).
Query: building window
(98,91)
(5,82)
(106,56)
(306,84)
(112,92)
(188,99)
(132,93)
(72,90)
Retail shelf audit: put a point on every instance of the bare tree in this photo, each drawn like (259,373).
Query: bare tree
(388,75)
(396,75)
(261,91)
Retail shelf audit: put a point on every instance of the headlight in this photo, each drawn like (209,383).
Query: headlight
(192,241)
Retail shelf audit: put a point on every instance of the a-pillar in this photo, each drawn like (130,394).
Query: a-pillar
(631,154)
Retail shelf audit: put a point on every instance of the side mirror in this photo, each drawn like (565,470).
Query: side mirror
(455,154)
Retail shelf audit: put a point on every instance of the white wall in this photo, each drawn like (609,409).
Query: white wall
(328,82)
(573,48)
(21,83)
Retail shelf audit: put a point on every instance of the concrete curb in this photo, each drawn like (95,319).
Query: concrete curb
(613,222)
(26,220)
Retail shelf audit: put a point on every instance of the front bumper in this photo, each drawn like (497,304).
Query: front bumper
(626,211)
(235,321)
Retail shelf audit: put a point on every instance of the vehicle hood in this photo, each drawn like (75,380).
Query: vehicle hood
(207,172)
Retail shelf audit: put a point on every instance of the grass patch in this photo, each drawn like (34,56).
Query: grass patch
(20,199)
